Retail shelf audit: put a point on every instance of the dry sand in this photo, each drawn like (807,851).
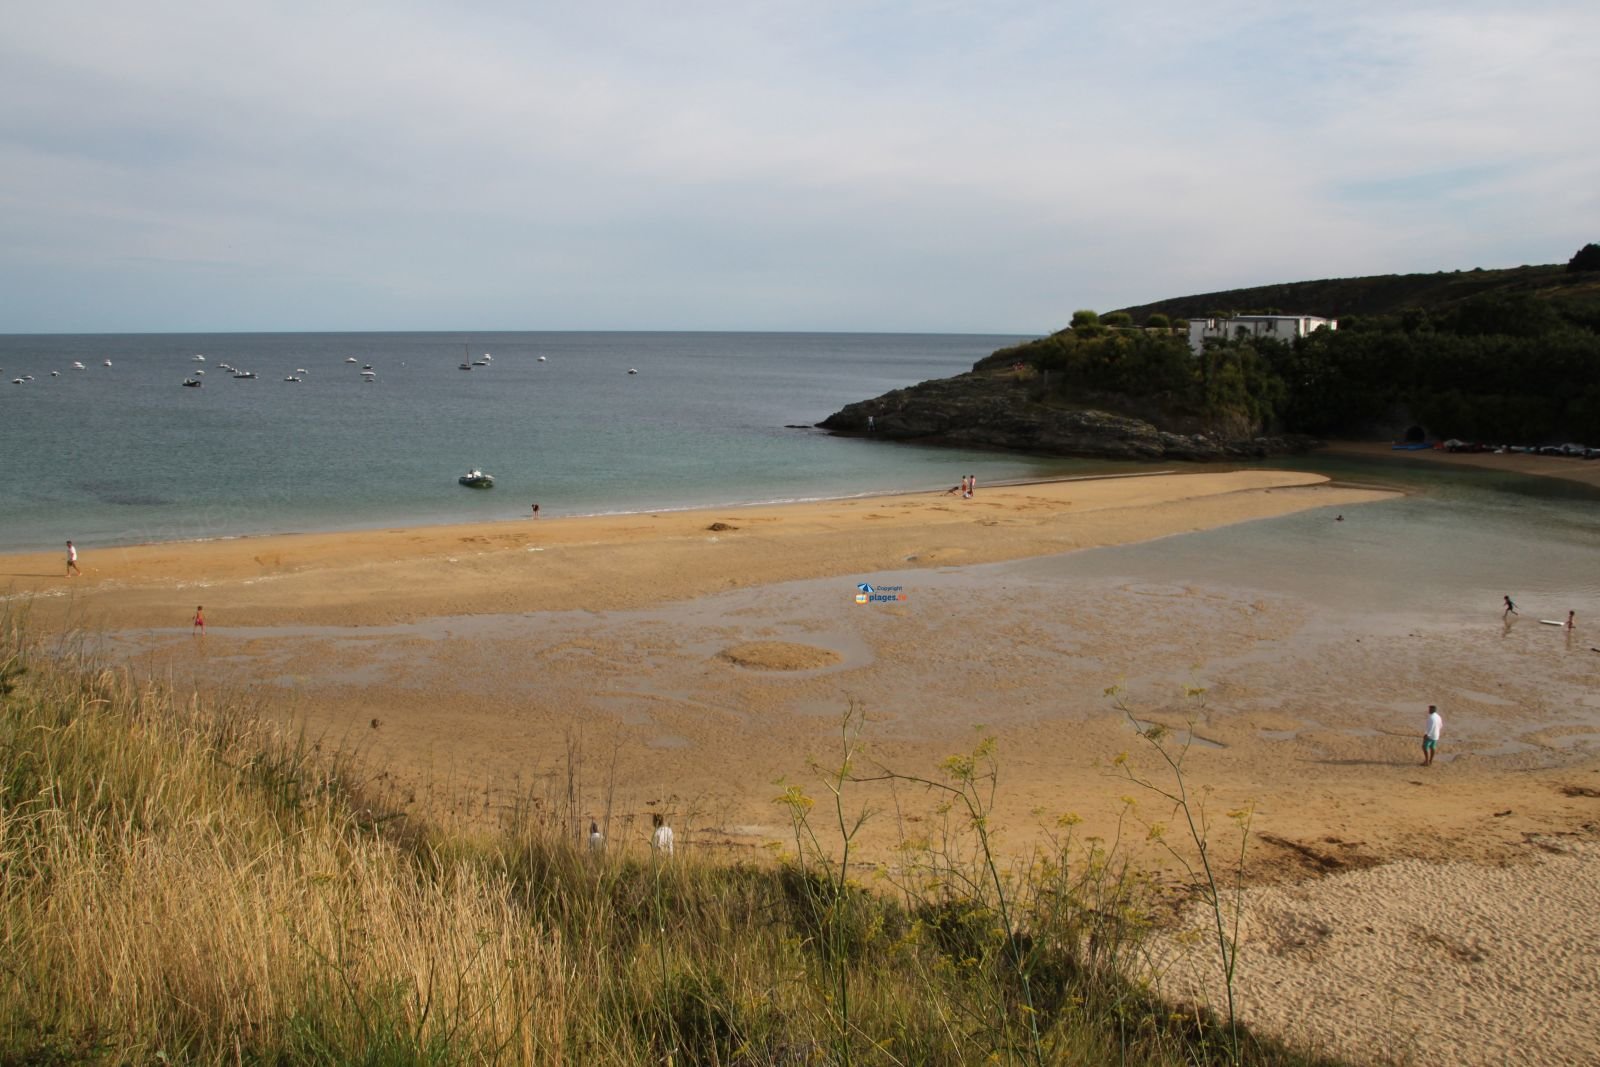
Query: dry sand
(689,661)
(1415,962)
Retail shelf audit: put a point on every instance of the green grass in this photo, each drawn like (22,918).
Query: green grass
(182,883)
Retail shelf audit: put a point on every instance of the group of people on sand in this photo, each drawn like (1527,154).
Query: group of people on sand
(1511,609)
(968,486)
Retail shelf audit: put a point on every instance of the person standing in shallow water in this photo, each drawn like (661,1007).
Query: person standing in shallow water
(1430,736)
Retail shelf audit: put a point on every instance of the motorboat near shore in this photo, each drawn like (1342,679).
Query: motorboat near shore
(192,383)
(476,479)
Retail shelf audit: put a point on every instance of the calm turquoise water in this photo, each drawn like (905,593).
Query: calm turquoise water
(1454,544)
(124,454)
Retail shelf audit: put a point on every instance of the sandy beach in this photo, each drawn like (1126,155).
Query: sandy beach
(691,661)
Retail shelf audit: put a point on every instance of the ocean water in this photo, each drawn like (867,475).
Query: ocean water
(124,454)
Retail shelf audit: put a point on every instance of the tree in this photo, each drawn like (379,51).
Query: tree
(1588,258)
(1118,319)
(1086,323)
(1158,321)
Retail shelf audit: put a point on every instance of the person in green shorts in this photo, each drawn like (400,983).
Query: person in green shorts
(1430,736)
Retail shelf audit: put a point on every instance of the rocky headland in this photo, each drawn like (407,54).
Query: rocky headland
(1000,409)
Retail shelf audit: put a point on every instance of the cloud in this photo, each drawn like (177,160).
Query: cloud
(898,165)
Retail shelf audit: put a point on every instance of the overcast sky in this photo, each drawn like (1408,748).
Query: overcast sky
(907,165)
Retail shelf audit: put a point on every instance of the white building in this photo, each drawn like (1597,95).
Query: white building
(1275,327)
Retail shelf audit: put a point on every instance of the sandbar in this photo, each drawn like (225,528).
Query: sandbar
(372,577)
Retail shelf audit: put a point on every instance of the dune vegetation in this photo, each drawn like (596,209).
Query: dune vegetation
(182,881)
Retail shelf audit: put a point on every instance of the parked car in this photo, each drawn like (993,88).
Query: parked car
(1571,449)
(1591,453)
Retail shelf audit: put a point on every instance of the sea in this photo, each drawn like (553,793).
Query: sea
(120,452)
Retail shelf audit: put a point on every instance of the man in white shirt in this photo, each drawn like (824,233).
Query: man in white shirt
(661,840)
(1430,737)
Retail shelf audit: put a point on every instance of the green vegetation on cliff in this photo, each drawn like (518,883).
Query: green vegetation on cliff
(1229,389)
(1577,281)
(1499,356)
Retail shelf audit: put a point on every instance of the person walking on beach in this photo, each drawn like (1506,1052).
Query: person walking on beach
(1430,736)
(72,560)
(1511,609)
(972,485)
(966,488)
(200,620)
(536,511)
(661,839)
(1571,617)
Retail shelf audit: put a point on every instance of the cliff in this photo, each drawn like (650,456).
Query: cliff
(1000,409)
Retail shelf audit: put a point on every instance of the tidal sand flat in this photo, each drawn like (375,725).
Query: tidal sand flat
(709,654)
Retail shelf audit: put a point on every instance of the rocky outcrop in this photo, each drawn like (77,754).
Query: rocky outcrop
(990,410)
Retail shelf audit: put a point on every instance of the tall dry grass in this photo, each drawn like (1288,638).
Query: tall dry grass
(183,883)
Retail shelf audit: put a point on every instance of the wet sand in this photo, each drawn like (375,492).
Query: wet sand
(669,665)
(1586,471)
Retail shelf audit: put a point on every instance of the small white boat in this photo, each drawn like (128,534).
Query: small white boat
(55,374)
(476,479)
(480,363)
(199,372)
(299,370)
(633,370)
(541,359)
(192,383)
(78,366)
(199,359)
(106,362)
(244,374)
(27,377)
(366,366)
(466,366)
(226,366)
(16,381)
(293,378)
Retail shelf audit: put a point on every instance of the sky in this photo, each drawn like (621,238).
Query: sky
(905,165)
